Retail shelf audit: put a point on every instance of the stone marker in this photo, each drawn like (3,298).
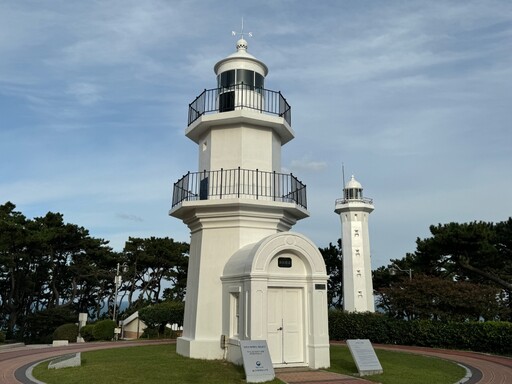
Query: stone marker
(257,363)
(66,361)
(364,356)
(60,343)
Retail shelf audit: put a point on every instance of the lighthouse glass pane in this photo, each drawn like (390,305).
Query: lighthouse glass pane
(246,77)
(259,80)
(227,79)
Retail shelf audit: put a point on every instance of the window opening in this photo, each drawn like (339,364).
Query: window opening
(235,314)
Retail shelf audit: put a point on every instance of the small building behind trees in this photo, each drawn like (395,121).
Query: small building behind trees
(132,327)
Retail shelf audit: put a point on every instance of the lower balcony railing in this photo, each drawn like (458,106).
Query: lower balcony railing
(239,183)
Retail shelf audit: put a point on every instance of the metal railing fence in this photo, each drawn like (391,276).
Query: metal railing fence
(239,96)
(239,183)
(364,200)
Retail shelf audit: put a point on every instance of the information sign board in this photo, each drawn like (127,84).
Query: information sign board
(257,363)
(364,356)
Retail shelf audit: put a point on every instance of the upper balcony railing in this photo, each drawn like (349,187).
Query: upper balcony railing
(364,200)
(239,96)
(239,183)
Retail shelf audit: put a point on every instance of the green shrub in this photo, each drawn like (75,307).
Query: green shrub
(104,330)
(153,333)
(87,332)
(170,334)
(67,332)
(2,337)
(496,336)
(150,333)
(156,316)
(491,337)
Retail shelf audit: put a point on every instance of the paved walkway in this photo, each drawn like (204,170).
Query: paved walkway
(305,376)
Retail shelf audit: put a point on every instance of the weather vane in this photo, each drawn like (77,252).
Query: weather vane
(241,33)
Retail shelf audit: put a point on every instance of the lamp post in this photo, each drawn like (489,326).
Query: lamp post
(117,281)
(394,268)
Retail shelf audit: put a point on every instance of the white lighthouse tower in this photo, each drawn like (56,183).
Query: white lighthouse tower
(354,211)
(249,278)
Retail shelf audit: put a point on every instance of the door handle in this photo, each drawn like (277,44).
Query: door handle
(280,328)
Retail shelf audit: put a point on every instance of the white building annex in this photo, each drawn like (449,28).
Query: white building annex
(354,211)
(249,277)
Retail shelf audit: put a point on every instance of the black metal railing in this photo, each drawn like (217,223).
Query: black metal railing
(239,183)
(239,96)
(364,200)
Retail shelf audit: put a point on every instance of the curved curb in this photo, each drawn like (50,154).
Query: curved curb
(29,376)
(473,375)
(24,373)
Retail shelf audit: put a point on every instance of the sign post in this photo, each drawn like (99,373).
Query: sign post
(257,363)
(364,356)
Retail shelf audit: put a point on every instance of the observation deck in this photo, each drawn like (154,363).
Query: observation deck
(239,183)
(239,97)
(362,200)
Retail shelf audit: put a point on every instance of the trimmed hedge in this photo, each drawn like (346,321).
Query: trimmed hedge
(2,337)
(491,337)
(67,332)
(104,330)
(86,332)
(153,333)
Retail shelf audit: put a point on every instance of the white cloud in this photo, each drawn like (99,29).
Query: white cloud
(127,216)
(308,165)
(85,93)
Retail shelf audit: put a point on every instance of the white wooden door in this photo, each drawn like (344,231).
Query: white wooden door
(285,325)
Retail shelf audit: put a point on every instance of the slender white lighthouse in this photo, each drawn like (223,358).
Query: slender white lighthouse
(249,278)
(354,211)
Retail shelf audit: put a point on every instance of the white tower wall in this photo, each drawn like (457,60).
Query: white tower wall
(239,199)
(218,229)
(354,211)
(247,146)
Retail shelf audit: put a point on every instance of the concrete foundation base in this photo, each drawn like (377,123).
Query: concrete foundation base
(199,349)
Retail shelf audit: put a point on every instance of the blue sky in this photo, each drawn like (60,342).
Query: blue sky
(413,97)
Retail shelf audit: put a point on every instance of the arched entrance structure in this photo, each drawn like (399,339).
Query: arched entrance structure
(276,290)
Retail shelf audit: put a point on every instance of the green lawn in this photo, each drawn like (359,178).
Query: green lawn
(400,368)
(144,364)
(161,364)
